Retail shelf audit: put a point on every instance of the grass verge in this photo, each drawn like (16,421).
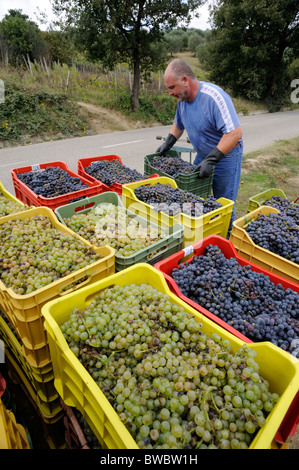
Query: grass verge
(273,167)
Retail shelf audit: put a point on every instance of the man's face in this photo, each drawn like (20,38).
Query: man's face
(177,87)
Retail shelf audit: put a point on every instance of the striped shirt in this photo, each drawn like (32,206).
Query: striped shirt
(207,117)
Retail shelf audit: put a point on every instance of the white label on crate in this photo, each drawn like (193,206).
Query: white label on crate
(188,250)
(35,167)
(2,349)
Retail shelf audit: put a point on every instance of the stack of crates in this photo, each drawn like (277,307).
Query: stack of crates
(13,435)
(53,377)
(22,324)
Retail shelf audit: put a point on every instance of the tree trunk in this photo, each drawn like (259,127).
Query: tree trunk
(136,83)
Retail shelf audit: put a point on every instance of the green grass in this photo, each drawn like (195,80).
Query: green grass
(273,167)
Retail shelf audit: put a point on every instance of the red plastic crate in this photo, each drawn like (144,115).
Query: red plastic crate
(85,162)
(166,266)
(29,197)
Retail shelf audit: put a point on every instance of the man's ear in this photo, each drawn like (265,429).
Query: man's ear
(185,80)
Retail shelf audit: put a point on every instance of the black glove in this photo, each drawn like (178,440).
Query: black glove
(167,144)
(205,167)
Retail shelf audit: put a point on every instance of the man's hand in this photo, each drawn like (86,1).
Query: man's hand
(205,168)
(167,144)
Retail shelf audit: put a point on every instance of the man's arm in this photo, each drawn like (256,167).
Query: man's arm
(230,140)
(174,134)
(225,145)
(176,131)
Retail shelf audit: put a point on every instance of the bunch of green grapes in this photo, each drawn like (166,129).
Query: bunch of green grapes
(107,224)
(7,206)
(172,385)
(33,254)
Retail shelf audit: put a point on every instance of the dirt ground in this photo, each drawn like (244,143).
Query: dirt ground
(103,120)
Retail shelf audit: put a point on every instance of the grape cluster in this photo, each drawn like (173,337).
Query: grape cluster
(244,299)
(51,182)
(8,206)
(172,201)
(172,385)
(33,254)
(173,166)
(107,224)
(113,171)
(286,206)
(277,233)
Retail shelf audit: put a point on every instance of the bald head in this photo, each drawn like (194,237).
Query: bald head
(180,80)
(180,68)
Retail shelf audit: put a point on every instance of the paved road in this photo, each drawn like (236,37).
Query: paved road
(259,131)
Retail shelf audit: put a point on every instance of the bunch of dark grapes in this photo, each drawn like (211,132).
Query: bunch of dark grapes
(112,171)
(173,166)
(173,386)
(244,299)
(284,205)
(51,182)
(172,201)
(277,233)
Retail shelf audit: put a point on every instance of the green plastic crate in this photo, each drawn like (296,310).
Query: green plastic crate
(150,254)
(190,182)
(259,199)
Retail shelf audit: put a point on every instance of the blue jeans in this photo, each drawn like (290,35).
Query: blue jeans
(226,179)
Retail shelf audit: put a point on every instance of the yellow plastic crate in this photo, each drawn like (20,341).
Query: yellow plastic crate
(24,311)
(77,388)
(258,255)
(12,198)
(41,379)
(215,222)
(12,435)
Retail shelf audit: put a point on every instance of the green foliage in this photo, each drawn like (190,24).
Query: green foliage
(293,69)
(194,41)
(19,38)
(60,47)
(37,113)
(246,51)
(124,31)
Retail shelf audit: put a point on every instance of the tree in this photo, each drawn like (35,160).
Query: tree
(174,40)
(195,39)
(247,47)
(115,31)
(60,47)
(21,37)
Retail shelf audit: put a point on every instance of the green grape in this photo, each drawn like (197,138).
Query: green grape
(37,253)
(171,389)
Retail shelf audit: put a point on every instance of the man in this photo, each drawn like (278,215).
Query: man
(208,115)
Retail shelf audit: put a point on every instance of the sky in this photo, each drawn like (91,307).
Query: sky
(31,7)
